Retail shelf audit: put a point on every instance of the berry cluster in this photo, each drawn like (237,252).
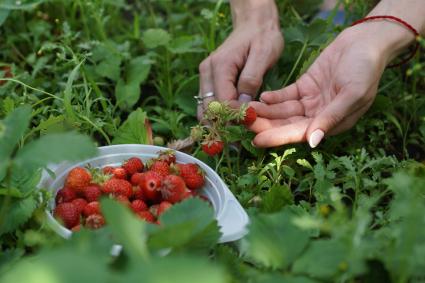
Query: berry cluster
(218,116)
(147,189)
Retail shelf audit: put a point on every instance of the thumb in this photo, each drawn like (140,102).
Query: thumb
(330,117)
(251,77)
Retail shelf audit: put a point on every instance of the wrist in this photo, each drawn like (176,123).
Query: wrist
(254,12)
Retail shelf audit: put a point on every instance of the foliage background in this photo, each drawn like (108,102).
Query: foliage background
(351,211)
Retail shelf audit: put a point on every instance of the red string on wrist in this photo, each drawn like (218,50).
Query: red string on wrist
(400,21)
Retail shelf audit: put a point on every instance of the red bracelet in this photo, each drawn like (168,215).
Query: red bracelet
(398,20)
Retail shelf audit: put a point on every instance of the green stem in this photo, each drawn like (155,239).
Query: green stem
(296,63)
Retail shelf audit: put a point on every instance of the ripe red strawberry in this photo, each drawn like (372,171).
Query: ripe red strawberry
(91,208)
(133,165)
(78,178)
(173,189)
(76,228)
(138,205)
(65,194)
(118,187)
(147,216)
(108,170)
(95,221)
(168,156)
(250,116)
(150,185)
(119,173)
(138,193)
(192,175)
(92,192)
(68,214)
(164,206)
(80,204)
(160,167)
(136,178)
(212,147)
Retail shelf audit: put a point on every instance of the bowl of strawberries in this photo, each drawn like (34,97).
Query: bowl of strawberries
(148,179)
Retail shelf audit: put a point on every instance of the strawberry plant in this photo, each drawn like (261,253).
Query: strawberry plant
(75,75)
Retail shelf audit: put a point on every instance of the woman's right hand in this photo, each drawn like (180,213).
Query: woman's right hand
(234,72)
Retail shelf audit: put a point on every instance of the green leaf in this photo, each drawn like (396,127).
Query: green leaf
(278,278)
(273,240)
(276,198)
(127,94)
(186,44)
(126,228)
(62,265)
(4,13)
(153,38)
(54,148)
(68,94)
(109,67)
(12,129)
(138,69)
(181,269)
(133,130)
(18,212)
(191,223)
(323,259)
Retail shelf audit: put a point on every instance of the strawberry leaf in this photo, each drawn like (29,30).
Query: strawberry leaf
(50,149)
(18,212)
(133,130)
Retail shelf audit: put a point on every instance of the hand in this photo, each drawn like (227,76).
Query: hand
(239,64)
(331,96)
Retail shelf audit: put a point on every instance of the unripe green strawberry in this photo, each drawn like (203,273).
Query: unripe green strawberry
(215,107)
(197,132)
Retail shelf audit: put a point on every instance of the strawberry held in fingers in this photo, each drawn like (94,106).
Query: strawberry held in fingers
(173,189)
(249,116)
(133,165)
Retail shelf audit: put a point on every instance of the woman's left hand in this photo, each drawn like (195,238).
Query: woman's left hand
(331,96)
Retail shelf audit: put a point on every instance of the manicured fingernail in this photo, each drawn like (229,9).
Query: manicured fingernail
(245,97)
(315,138)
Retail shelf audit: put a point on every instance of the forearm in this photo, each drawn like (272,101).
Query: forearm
(254,12)
(394,36)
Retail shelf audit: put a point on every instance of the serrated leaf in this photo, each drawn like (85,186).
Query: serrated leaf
(12,129)
(18,212)
(54,148)
(276,198)
(127,94)
(126,228)
(191,223)
(153,38)
(134,130)
(273,240)
(323,259)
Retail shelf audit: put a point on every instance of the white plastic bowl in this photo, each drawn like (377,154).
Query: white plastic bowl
(230,215)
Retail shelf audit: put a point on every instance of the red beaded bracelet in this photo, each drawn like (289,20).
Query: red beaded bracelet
(398,20)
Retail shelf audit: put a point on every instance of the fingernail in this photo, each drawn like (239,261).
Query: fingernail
(252,143)
(261,99)
(245,97)
(315,138)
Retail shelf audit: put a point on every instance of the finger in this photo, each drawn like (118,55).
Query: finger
(206,84)
(199,109)
(278,111)
(263,124)
(290,133)
(224,74)
(257,64)
(344,104)
(287,93)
